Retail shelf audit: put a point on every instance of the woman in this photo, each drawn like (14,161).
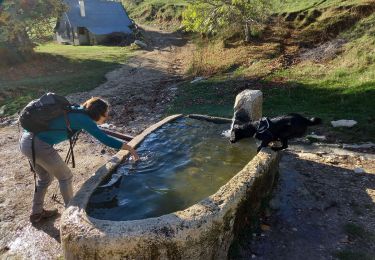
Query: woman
(49,164)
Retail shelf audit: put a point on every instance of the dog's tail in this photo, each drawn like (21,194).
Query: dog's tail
(315,121)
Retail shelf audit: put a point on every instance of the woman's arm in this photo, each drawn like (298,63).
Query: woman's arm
(90,126)
(131,151)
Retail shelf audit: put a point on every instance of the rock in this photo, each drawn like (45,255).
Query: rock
(316,137)
(106,125)
(248,103)
(359,146)
(332,160)
(2,110)
(344,123)
(197,79)
(295,229)
(140,44)
(265,227)
(345,240)
(359,170)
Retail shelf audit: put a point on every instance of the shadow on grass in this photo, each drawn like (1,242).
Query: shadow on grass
(47,72)
(216,97)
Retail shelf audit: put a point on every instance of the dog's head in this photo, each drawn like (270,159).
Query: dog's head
(241,127)
(239,132)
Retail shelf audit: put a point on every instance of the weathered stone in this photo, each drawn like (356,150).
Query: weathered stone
(344,123)
(140,44)
(250,102)
(202,231)
(359,170)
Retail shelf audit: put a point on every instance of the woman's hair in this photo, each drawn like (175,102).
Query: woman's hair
(95,107)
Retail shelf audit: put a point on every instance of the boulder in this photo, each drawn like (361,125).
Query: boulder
(344,123)
(249,102)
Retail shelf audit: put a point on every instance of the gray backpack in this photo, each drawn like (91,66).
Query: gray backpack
(36,116)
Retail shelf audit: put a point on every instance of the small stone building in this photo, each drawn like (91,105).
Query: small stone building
(92,22)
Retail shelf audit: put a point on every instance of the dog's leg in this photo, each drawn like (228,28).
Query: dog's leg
(263,144)
(284,145)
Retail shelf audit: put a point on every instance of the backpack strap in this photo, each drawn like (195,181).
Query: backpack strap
(32,165)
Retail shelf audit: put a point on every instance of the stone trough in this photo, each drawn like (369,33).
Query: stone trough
(204,230)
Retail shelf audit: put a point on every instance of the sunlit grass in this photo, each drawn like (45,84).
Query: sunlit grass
(63,69)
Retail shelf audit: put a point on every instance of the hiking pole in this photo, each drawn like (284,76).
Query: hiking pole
(67,159)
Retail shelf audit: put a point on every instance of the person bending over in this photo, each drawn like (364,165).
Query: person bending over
(47,162)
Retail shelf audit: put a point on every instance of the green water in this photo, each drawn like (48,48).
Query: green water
(181,163)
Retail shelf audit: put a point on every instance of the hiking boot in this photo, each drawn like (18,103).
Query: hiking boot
(35,218)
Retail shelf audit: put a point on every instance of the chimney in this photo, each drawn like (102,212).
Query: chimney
(82,8)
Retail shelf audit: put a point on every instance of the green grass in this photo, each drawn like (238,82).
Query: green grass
(213,97)
(353,255)
(360,246)
(357,232)
(63,69)
(161,12)
(343,88)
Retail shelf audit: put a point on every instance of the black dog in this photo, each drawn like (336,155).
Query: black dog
(267,130)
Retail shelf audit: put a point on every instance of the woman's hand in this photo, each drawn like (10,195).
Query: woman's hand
(131,151)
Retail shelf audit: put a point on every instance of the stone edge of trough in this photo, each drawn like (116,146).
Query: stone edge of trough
(204,230)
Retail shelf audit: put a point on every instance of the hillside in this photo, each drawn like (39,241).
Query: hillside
(163,13)
(316,59)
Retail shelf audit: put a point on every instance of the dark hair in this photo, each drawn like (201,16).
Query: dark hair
(95,107)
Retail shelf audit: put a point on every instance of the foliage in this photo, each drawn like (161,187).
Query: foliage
(211,17)
(62,69)
(21,18)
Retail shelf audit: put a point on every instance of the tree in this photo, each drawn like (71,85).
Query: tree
(19,18)
(213,16)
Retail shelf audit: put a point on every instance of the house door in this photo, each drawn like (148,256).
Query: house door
(83,36)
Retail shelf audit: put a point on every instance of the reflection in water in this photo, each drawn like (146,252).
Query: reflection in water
(181,163)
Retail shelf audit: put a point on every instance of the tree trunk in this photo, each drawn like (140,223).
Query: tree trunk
(247,32)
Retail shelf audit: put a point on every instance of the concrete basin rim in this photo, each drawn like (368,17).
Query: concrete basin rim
(193,216)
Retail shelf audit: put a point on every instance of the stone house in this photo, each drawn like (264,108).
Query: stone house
(92,22)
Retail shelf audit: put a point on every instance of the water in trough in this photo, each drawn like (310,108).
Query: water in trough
(181,163)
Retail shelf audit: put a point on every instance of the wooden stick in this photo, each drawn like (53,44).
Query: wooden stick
(214,119)
(117,134)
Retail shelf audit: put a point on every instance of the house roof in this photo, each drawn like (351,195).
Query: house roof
(101,17)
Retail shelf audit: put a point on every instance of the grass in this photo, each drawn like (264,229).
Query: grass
(213,97)
(360,247)
(63,69)
(341,88)
(302,5)
(165,13)
(351,255)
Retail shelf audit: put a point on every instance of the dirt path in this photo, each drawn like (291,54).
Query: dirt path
(321,208)
(138,93)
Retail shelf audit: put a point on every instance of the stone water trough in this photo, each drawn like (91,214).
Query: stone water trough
(204,230)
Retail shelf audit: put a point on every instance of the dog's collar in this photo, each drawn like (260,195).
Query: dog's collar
(264,125)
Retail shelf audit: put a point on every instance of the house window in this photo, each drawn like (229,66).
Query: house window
(81,30)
